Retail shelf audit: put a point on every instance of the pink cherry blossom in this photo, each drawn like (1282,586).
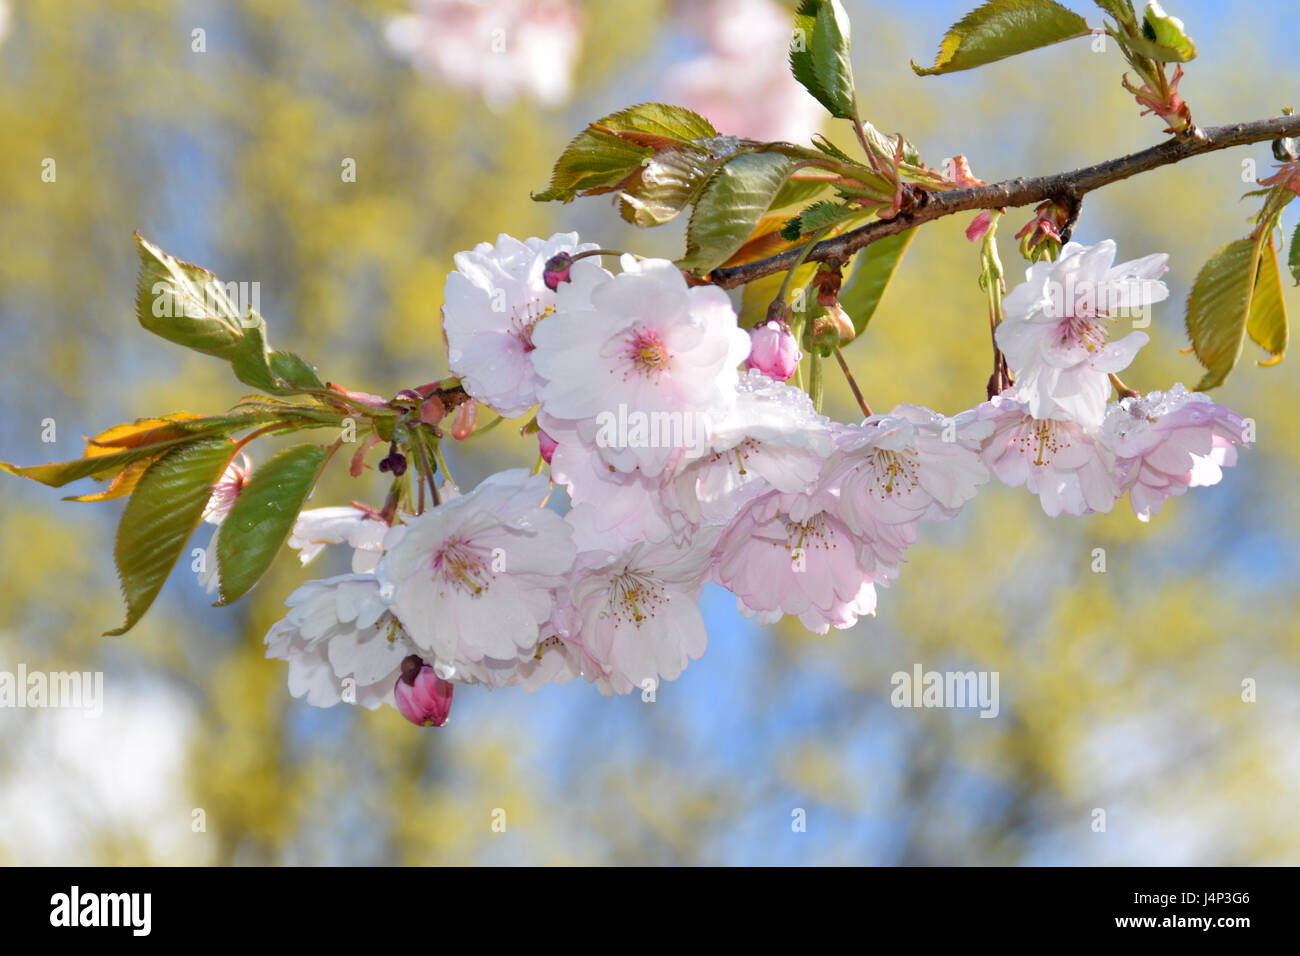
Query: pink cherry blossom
(503,50)
(611,510)
(641,365)
(634,614)
(771,437)
(342,642)
(475,576)
(908,466)
(1056,332)
(1167,442)
(492,304)
(363,531)
(812,567)
(1069,469)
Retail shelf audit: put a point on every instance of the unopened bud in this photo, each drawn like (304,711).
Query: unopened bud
(979,226)
(831,327)
(773,350)
(422,696)
(556,270)
(546,445)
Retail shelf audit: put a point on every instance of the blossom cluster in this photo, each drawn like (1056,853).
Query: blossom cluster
(682,467)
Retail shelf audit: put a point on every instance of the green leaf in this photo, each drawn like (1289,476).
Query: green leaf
(160,517)
(190,306)
(263,515)
(1293,259)
(1217,309)
(603,156)
(277,373)
(819,55)
(186,304)
(1267,325)
(799,192)
(730,207)
(668,183)
(1003,28)
(1145,46)
(1167,34)
(830,60)
(875,266)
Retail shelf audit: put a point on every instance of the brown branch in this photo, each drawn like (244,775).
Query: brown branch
(1017,192)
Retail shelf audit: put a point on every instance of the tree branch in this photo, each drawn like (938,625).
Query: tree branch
(1016,192)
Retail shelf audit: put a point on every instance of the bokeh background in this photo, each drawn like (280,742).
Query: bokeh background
(1119,690)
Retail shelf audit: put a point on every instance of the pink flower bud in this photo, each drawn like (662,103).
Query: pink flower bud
(773,351)
(423,697)
(979,226)
(556,270)
(547,445)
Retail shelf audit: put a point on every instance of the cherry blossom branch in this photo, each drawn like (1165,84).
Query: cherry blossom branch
(1071,186)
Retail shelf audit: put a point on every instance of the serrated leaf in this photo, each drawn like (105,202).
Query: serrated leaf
(830,60)
(190,306)
(165,508)
(1003,28)
(144,439)
(819,55)
(606,153)
(730,207)
(818,216)
(262,517)
(1267,325)
(186,304)
(875,266)
(1217,309)
(801,59)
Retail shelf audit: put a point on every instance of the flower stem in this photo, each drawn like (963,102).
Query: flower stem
(816,385)
(857,392)
(1124,390)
